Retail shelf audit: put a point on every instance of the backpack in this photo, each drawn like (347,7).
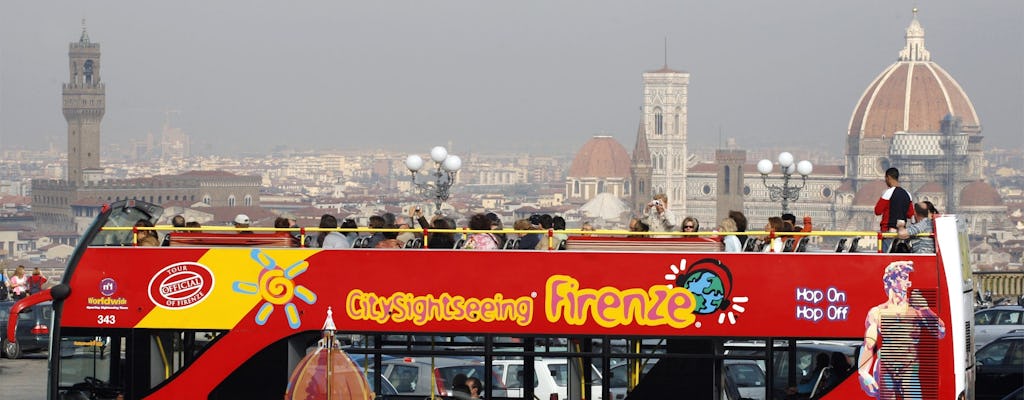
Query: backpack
(35,284)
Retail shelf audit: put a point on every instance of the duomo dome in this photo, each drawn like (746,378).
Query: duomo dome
(602,165)
(912,95)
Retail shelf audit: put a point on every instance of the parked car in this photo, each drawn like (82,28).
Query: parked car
(839,353)
(747,376)
(620,378)
(32,332)
(1000,367)
(550,380)
(994,322)
(414,375)
(386,388)
(1016,395)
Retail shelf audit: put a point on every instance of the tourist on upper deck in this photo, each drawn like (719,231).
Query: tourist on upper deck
(331,239)
(481,240)
(741,224)
(193,224)
(926,214)
(547,222)
(390,240)
(418,218)
(690,225)
(147,237)
(774,245)
(496,225)
(242,221)
(350,223)
(440,240)
(282,222)
(894,205)
(639,226)
(178,221)
(587,227)
(788,217)
(658,216)
(558,224)
(376,222)
(732,243)
(529,241)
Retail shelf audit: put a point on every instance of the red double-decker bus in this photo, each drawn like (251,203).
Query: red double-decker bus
(222,315)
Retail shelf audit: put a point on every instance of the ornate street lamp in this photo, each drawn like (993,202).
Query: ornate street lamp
(445,167)
(786,193)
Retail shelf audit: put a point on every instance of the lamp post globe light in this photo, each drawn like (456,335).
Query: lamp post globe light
(436,184)
(786,192)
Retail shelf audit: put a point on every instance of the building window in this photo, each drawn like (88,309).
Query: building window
(706,189)
(677,127)
(826,192)
(727,180)
(231,201)
(576,187)
(247,200)
(659,121)
(600,186)
(206,199)
(746,190)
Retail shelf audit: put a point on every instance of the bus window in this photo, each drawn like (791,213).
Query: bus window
(90,366)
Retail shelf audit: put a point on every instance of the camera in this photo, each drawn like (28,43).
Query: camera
(417,208)
(655,203)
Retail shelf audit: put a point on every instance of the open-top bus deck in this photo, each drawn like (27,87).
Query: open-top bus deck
(240,317)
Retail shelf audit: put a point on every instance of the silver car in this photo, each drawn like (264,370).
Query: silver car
(994,322)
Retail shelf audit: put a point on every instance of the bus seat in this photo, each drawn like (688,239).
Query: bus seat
(750,243)
(801,245)
(853,244)
(788,247)
(841,245)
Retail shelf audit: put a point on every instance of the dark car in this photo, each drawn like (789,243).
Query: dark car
(1000,368)
(32,332)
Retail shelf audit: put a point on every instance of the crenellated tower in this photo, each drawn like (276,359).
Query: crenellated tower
(84,105)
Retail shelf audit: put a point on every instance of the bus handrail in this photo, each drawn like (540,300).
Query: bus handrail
(549,234)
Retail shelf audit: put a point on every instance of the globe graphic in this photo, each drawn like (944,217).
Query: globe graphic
(707,288)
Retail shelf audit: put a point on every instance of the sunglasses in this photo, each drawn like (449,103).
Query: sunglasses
(688,227)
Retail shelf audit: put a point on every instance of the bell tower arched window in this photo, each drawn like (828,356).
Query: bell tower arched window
(659,122)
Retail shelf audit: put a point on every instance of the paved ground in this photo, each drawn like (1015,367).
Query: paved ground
(23,379)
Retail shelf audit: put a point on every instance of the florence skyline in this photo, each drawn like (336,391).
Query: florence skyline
(523,77)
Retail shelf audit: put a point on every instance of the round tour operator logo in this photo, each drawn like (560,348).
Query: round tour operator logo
(108,286)
(179,286)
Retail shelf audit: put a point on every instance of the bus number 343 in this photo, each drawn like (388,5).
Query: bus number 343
(106,319)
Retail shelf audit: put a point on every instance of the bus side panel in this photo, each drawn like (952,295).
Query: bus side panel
(263,295)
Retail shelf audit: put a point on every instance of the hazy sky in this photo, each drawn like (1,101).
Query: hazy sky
(540,76)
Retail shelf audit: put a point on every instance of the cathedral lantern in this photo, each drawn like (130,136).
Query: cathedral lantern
(328,373)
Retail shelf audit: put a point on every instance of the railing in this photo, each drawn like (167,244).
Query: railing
(303,233)
(1000,285)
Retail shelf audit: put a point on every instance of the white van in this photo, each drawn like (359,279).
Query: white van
(551,378)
